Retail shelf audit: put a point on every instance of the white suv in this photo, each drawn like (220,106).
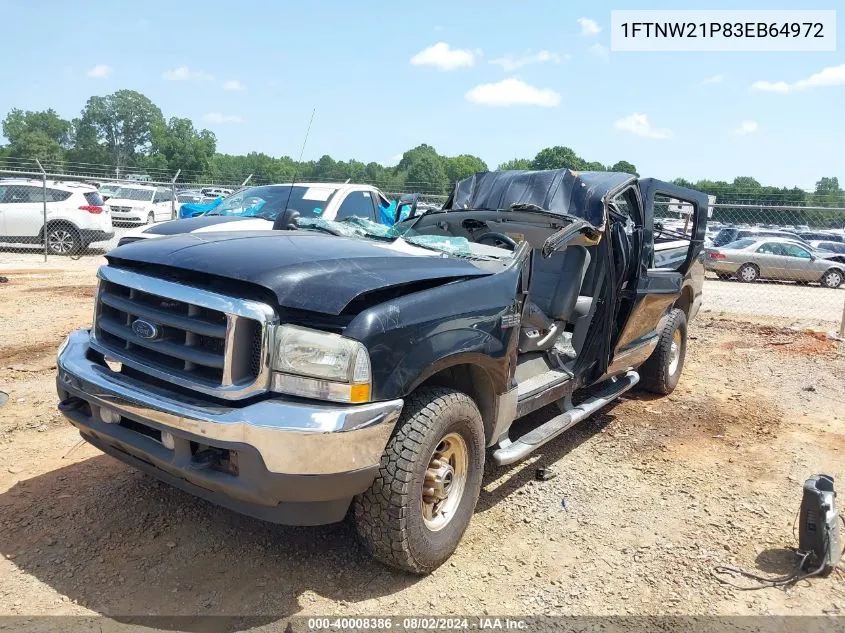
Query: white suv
(140,204)
(76,215)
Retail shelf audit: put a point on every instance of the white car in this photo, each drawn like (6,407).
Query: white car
(141,204)
(215,192)
(76,215)
(255,208)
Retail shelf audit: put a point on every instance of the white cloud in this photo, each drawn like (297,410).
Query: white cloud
(233,84)
(639,125)
(510,63)
(831,76)
(183,73)
(217,117)
(746,127)
(588,26)
(100,71)
(511,92)
(715,79)
(599,50)
(771,86)
(442,57)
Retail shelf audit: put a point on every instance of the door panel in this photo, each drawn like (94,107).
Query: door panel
(656,292)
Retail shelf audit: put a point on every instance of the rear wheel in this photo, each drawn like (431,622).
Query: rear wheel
(63,239)
(832,278)
(417,509)
(748,273)
(662,371)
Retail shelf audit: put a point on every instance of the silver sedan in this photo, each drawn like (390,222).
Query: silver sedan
(750,259)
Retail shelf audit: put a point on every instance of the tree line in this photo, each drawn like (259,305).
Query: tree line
(128,132)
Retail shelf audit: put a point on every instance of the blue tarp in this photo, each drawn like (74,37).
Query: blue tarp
(193,209)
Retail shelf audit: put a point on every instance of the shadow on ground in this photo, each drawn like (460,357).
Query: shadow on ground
(119,543)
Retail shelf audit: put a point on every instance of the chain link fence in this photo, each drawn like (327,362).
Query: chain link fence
(785,262)
(780,262)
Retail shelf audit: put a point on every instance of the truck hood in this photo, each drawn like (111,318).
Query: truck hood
(305,270)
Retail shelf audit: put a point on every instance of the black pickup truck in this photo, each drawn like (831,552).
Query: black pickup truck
(329,368)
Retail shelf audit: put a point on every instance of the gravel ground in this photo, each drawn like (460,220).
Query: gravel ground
(650,495)
(809,306)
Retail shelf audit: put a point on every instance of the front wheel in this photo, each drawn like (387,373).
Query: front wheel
(832,278)
(662,371)
(416,511)
(723,276)
(151,218)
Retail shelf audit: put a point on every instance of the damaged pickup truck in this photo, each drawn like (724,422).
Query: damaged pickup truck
(329,368)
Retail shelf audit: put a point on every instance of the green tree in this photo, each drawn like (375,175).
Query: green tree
(828,193)
(122,122)
(183,147)
(557,157)
(624,166)
(593,165)
(18,123)
(515,163)
(463,166)
(414,154)
(42,135)
(426,174)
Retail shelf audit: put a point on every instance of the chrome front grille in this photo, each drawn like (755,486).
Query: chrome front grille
(117,209)
(194,338)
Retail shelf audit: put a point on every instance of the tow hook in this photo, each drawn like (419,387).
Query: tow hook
(206,458)
(71,404)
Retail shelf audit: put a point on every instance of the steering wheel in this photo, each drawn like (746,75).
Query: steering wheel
(501,238)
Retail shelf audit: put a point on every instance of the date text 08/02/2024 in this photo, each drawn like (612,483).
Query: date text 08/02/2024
(481,623)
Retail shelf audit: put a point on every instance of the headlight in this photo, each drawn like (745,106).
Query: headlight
(320,365)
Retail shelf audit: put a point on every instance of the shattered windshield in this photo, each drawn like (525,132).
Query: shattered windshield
(267,201)
(367,229)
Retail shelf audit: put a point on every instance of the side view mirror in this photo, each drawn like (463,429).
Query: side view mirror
(286,220)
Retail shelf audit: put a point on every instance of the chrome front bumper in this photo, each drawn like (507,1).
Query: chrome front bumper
(292,436)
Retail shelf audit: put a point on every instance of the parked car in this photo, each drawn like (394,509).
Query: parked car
(749,259)
(827,236)
(189,196)
(733,233)
(255,208)
(831,247)
(139,204)
(290,374)
(215,192)
(108,189)
(76,215)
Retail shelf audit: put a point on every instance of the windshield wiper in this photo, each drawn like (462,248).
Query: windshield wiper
(317,227)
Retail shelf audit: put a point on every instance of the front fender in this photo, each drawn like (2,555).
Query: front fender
(413,337)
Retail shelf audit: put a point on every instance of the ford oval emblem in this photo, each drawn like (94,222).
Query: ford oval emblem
(145,329)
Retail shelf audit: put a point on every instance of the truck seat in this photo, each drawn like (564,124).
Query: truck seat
(555,287)
(556,281)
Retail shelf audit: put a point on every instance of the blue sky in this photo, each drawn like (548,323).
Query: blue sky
(252,73)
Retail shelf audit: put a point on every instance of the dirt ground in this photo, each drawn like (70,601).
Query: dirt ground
(651,494)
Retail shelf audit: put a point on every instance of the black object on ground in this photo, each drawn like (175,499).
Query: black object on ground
(544,473)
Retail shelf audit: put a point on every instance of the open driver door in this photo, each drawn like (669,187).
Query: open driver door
(656,288)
